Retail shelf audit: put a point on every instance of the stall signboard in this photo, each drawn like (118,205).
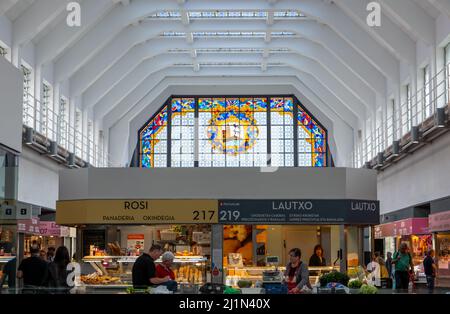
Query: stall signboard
(402,227)
(439,221)
(130,211)
(30,226)
(50,228)
(301,211)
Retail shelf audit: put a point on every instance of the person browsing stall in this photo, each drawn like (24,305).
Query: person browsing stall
(317,258)
(164,269)
(144,269)
(403,265)
(297,272)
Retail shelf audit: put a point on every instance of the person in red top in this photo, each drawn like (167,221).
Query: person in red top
(163,270)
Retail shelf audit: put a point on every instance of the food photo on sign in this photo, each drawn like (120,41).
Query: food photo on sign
(237,244)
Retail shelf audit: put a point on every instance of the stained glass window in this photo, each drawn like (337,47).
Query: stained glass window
(182,132)
(153,141)
(233,132)
(282,131)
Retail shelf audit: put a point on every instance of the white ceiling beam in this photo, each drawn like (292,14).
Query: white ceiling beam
(5,5)
(185,17)
(441,5)
(189,37)
(111,25)
(132,36)
(270,18)
(34,20)
(389,34)
(412,18)
(302,49)
(132,104)
(127,84)
(61,37)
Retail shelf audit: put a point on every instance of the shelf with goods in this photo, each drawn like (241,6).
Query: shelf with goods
(260,239)
(115,271)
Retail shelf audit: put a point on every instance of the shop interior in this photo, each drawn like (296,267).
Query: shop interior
(109,253)
(249,250)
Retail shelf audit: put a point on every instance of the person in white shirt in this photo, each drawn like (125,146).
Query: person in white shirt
(374,269)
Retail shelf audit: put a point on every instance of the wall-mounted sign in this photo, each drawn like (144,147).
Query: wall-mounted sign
(439,221)
(13,210)
(402,227)
(30,226)
(299,212)
(125,212)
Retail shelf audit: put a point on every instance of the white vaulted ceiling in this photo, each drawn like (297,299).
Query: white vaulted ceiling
(126,55)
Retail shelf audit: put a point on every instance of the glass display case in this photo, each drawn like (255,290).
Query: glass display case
(116,271)
(254,274)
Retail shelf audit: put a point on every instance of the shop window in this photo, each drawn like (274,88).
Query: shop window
(232,132)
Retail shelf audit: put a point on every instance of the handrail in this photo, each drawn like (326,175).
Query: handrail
(422,105)
(49,124)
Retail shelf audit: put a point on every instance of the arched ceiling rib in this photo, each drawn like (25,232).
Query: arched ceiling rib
(160,62)
(326,47)
(129,101)
(134,60)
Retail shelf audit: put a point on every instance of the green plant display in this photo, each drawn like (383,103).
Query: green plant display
(366,289)
(334,276)
(355,284)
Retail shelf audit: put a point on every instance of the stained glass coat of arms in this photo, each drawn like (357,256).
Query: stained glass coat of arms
(232,132)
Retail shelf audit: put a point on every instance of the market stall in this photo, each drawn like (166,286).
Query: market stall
(440,226)
(116,232)
(415,233)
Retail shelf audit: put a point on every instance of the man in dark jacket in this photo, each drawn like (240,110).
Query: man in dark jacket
(33,270)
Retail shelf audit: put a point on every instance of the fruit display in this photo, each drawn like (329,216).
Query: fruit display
(96,279)
(334,276)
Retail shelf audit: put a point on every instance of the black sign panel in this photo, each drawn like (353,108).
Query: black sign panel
(305,212)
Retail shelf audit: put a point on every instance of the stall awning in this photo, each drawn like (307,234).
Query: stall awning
(42,228)
(439,221)
(402,227)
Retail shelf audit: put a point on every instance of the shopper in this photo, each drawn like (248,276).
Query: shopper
(58,271)
(50,254)
(317,258)
(164,269)
(144,269)
(374,270)
(389,264)
(403,265)
(9,272)
(43,255)
(297,272)
(33,270)
(429,267)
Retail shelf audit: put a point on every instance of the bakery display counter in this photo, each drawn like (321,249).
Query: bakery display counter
(116,271)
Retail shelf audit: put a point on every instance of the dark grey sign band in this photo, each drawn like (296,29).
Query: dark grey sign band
(303,211)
